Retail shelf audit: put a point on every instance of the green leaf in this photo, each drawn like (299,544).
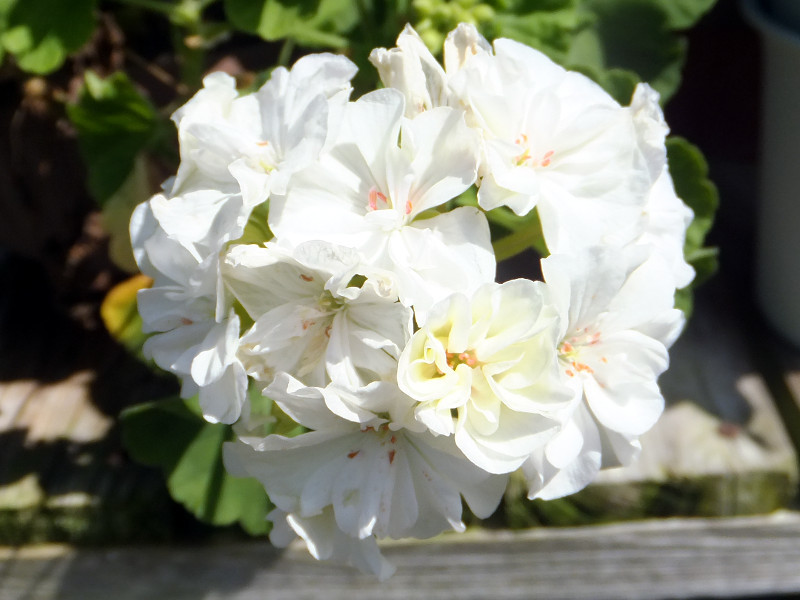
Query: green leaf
(689,172)
(42,33)
(682,14)
(309,22)
(171,435)
(114,123)
(548,31)
(631,35)
(5,9)
(527,235)
(256,230)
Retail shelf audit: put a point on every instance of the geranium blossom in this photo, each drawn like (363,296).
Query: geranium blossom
(324,250)
(373,189)
(251,144)
(557,141)
(345,483)
(186,303)
(491,360)
(552,138)
(665,217)
(617,321)
(309,320)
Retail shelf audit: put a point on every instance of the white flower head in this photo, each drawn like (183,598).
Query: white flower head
(490,361)
(617,323)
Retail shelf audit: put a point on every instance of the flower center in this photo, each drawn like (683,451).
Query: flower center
(265,157)
(461,358)
(569,351)
(377,200)
(526,159)
(328,303)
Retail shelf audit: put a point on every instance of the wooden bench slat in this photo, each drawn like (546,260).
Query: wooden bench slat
(647,559)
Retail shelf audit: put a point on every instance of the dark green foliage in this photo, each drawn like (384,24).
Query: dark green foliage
(170,434)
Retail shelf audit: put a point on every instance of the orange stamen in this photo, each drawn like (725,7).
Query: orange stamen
(374,196)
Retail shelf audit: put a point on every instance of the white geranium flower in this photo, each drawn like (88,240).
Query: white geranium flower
(617,321)
(372,190)
(665,216)
(198,333)
(201,221)
(553,139)
(492,361)
(345,483)
(251,144)
(310,321)
(665,221)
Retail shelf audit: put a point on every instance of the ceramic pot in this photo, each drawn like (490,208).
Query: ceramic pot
(778,245)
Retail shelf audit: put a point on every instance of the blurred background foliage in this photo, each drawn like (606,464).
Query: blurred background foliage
(110,73)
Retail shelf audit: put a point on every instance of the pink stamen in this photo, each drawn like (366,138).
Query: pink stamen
(374,196)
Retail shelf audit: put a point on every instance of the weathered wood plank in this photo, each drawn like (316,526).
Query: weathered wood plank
(649,559)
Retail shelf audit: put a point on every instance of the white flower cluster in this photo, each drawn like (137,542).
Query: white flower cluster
(305,244)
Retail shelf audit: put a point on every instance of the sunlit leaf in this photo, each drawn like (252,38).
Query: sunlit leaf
(42,33)
(114,123)
(120,315)
(528,234)
(547,30)
(308,22)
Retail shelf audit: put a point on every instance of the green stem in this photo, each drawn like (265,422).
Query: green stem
(192,66)
(528,236)
(285,54)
